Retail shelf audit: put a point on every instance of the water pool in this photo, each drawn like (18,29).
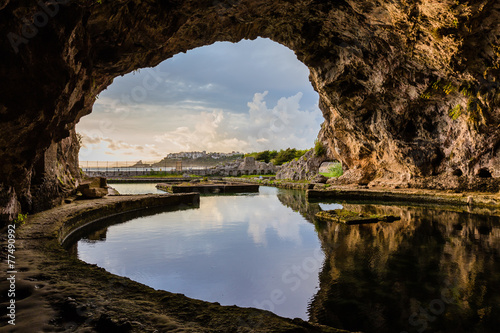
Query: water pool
(435,270)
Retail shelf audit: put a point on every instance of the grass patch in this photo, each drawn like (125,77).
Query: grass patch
(334,171)
(455,112)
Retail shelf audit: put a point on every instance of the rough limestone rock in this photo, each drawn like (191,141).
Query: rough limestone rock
(247,166)
(306,167)
(93,188)
(319,179)
(409,89)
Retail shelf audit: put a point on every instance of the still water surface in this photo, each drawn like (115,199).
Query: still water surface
(248,250)
(136,188)
(435,270)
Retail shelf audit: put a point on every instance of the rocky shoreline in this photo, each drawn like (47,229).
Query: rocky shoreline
(384,194)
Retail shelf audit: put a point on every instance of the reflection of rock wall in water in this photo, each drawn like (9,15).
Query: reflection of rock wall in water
(383,277)
(297,201)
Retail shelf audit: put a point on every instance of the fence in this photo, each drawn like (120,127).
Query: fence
(129,169)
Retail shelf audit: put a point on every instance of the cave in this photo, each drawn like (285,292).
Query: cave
(380,69)
(484,173)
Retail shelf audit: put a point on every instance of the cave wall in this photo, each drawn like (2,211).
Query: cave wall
(409,90)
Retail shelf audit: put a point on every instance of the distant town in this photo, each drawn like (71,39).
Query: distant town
(202,154)
(192,159)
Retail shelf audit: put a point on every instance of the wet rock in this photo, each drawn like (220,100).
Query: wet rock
(306,167)
(350,217)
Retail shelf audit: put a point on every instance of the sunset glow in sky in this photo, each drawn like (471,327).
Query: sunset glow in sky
(248,96)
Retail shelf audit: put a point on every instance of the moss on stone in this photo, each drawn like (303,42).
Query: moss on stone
(350,217)
(455,112)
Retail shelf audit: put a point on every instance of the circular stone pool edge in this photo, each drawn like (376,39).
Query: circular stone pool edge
(61,293)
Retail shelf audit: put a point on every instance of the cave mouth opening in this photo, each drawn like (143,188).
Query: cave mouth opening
(484,173)
(253,95)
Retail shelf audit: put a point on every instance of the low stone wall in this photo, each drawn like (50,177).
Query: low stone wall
(117,205)
(209,188)
(275,183)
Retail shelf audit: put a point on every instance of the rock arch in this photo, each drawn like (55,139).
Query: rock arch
(408,90)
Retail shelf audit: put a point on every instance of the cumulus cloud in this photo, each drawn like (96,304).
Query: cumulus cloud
(284,125)
(111,147)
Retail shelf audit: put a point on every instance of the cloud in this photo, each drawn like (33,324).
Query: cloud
(208,132)
(221,74)
(284,125)
(112,147)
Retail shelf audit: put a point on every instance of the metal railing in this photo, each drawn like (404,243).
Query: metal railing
(130,169)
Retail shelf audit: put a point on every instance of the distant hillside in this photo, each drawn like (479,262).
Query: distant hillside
(196,162)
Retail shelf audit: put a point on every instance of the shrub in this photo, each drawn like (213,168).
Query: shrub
(287,155)
(334,171)
(319,149)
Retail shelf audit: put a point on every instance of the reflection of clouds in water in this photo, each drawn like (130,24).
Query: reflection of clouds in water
(280,223)
(274,217)
(215,213)
(330,206)
(261,215)
(232,250)
(139,188)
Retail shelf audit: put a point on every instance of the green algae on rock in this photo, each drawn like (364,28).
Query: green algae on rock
(350,217)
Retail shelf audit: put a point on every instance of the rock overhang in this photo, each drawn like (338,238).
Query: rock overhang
(408,91)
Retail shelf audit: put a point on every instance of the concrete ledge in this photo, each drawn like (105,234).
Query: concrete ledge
(209,188)
(117,205)
(408,196)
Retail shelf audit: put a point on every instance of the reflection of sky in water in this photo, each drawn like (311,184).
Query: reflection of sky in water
(138,188)
(247,250)
(330,206)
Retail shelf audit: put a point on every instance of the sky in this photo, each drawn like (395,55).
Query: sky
(247,96)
